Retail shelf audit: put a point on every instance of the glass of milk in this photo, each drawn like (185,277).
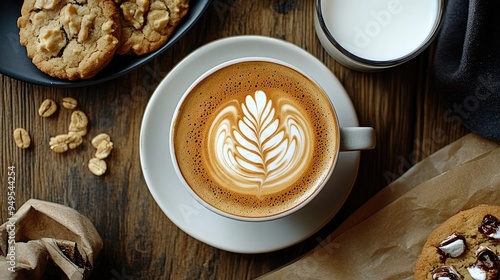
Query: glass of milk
(371,35)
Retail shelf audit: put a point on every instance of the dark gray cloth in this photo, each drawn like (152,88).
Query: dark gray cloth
(467,64)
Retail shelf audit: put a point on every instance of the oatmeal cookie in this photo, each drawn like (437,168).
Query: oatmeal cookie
(466,246)
(70,39)
(147,24)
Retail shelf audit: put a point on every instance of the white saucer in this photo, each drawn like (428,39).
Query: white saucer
(203,224)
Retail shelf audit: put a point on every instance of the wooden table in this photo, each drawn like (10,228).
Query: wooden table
(140,242)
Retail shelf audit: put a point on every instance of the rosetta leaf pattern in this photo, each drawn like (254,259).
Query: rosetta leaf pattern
(259,140)
(259,145)
(255,130)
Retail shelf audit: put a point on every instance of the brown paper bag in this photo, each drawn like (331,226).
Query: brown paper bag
(44,237)
(383,239)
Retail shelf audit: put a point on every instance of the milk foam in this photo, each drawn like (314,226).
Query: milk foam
(259,146)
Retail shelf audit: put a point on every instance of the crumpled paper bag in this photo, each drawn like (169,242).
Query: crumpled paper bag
(43,238)
(383,238)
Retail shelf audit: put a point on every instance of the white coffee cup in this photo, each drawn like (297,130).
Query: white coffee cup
(239,173)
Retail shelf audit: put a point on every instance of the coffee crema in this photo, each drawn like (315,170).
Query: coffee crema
(255,138)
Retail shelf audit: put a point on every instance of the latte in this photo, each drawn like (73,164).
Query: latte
(255,138)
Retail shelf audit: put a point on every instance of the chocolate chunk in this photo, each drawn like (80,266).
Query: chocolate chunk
(446,272)
(487,265)
(490,227)
(452,246)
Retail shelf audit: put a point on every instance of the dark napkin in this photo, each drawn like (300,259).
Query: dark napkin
(467,64)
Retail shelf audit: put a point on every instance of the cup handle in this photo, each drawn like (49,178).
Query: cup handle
(357,138)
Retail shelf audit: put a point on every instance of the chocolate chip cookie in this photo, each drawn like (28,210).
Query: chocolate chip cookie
(148,24)
(70,39)
(466,246)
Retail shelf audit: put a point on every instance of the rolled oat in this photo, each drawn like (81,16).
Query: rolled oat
(22,138)
(47,108)
(97,166)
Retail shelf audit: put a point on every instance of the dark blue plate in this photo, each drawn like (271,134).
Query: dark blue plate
(15,63)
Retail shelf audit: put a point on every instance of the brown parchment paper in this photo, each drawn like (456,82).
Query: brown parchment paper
(43,239)
(383,239)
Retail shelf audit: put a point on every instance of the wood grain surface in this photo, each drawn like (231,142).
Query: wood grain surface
(140,242)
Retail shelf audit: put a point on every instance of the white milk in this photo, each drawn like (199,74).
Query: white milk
(378,30)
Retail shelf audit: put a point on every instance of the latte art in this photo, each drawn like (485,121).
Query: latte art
(259,147)
(255,139)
